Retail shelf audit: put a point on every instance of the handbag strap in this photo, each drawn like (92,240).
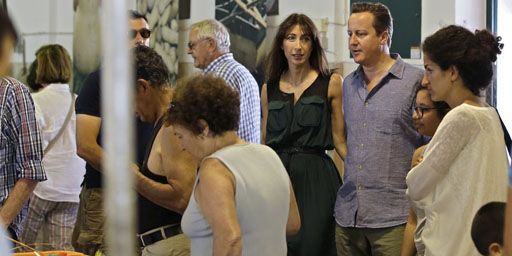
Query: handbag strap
(63,127)
(508,141)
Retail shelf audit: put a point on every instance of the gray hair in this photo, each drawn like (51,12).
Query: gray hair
(210,28)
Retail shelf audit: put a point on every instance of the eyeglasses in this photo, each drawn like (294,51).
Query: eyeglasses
(192,45)
(144,32)
(420,110)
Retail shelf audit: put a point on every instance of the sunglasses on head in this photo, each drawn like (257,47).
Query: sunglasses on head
(144,32)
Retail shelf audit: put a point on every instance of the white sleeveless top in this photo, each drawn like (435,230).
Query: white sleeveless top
(262,202)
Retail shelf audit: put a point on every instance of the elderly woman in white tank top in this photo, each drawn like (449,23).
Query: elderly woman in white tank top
(242,202)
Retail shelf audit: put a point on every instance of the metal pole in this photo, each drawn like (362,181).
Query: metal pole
(117,99)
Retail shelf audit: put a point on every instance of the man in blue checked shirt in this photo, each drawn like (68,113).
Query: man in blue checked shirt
(209,46)
(21,151)
(371,206)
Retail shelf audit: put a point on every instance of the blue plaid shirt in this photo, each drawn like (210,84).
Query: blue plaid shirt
(238,77)
(21,150)
(381,139)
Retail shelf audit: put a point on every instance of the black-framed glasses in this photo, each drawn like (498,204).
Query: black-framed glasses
(420,110)
(144,32)
(191,45)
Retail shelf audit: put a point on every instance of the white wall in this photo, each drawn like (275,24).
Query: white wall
(436,14)
(470,14)
(42,22)
(201,9)
(504,90)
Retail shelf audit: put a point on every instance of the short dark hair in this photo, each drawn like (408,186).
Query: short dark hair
(53,65)
(150,66)
(6,28)
(205,97)
(137,15)
(277,63)
(382,19)
(472,53)
(487,227)
(442,108)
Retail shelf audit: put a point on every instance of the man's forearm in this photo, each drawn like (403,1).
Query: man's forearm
(17,198)
(163,195)
(93,155)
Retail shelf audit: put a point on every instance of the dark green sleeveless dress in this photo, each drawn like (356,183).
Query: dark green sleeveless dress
(300,133)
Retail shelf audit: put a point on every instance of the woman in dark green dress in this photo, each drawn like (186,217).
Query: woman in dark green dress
(302,118)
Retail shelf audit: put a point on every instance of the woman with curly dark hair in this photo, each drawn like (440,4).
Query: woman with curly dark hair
(302,118)
(464,165)
(242,202)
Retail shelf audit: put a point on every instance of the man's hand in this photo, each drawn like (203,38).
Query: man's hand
(135,168)
(17,198)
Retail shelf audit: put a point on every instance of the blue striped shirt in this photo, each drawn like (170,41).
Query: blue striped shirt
(381,140)
(238,77)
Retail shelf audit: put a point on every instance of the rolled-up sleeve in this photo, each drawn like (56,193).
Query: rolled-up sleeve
(29,152)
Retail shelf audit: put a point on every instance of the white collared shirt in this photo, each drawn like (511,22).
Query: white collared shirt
(64,169)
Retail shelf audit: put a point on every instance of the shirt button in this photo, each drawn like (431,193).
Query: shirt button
(362,145)
(359,187)
(364,124)
(359,167)
(366,104)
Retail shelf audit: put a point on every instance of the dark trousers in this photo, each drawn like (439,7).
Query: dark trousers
(369,241)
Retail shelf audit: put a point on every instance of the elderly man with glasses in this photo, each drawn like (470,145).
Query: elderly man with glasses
(209,47)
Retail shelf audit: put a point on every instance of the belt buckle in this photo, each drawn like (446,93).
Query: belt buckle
(157,235)
(141,240)
(151,238)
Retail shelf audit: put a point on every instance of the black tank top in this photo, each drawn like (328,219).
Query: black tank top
(305,124)
(151,215)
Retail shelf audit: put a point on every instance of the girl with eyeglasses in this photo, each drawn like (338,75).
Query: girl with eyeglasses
(426,115)
(465,164)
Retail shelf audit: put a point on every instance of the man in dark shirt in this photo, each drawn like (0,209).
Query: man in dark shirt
(165,180)
(88,232)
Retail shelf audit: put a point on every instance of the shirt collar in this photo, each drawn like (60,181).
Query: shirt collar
(396,70)
(217,61)
(58,87)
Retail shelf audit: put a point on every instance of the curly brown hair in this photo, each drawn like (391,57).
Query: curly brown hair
(150,66)
(208,98)
(472,53)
